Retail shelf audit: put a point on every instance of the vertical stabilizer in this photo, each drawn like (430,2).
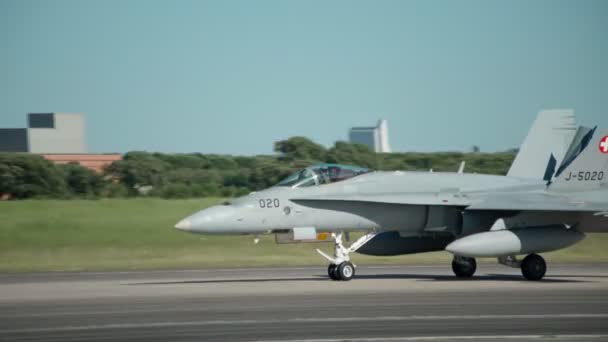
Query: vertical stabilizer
(579,142)
(545,145)
(586,164)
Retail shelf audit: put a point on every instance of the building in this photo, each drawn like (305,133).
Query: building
(376,137)
(46,133)
(13,140)
(58,137)
(95,162)
(56,133)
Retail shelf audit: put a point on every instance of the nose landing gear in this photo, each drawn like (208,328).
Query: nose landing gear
(344,271)
(340,267)
(332,272)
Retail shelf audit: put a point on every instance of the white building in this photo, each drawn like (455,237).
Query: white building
(376,138)
(56,133)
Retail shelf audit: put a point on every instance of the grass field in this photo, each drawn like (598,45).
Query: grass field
(126,234)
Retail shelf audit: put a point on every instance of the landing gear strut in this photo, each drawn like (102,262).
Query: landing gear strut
(464,267)
(340,267)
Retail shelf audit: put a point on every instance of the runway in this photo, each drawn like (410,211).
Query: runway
(383,303)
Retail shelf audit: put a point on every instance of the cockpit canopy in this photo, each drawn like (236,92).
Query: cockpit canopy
(322,174)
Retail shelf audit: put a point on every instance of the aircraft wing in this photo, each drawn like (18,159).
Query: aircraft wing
(537,202)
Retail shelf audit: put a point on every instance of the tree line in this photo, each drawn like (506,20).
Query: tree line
(198,175)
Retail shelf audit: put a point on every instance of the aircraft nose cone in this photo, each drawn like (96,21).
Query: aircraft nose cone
(184,224)
(216,219)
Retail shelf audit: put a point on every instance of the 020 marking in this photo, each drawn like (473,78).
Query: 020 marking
(269,203)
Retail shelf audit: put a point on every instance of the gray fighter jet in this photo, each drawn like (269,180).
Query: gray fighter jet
(554,192)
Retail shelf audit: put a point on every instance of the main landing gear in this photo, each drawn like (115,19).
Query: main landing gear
(340,267)
(464,267)
(533,267)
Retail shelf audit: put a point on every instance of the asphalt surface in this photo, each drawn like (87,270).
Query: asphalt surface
(403,303)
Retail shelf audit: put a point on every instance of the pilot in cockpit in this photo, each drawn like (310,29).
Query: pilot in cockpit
(322,174)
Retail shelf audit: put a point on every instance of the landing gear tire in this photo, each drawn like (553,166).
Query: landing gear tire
(346,271)
(340,268)
(464,267)
(332,272)
(533,267)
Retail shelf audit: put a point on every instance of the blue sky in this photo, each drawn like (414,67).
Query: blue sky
(235,76)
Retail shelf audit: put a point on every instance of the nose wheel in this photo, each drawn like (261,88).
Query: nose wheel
(332,272)
(340,267)
(344,271)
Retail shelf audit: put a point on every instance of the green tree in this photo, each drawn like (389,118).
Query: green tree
(81,181)
(296,148)
(27,176)
(349,153)
(138,169)
(196,175)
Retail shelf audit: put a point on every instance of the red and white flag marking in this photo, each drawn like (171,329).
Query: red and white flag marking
(604,144)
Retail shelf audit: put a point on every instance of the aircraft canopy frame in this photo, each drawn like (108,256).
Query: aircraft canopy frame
(324,173)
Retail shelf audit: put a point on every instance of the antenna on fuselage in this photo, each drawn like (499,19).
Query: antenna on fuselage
(461,167)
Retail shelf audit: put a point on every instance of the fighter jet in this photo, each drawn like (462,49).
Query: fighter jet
(554,192)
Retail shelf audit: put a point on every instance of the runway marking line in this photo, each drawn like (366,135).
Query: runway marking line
(295,320)
(180,310)
(448,338)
